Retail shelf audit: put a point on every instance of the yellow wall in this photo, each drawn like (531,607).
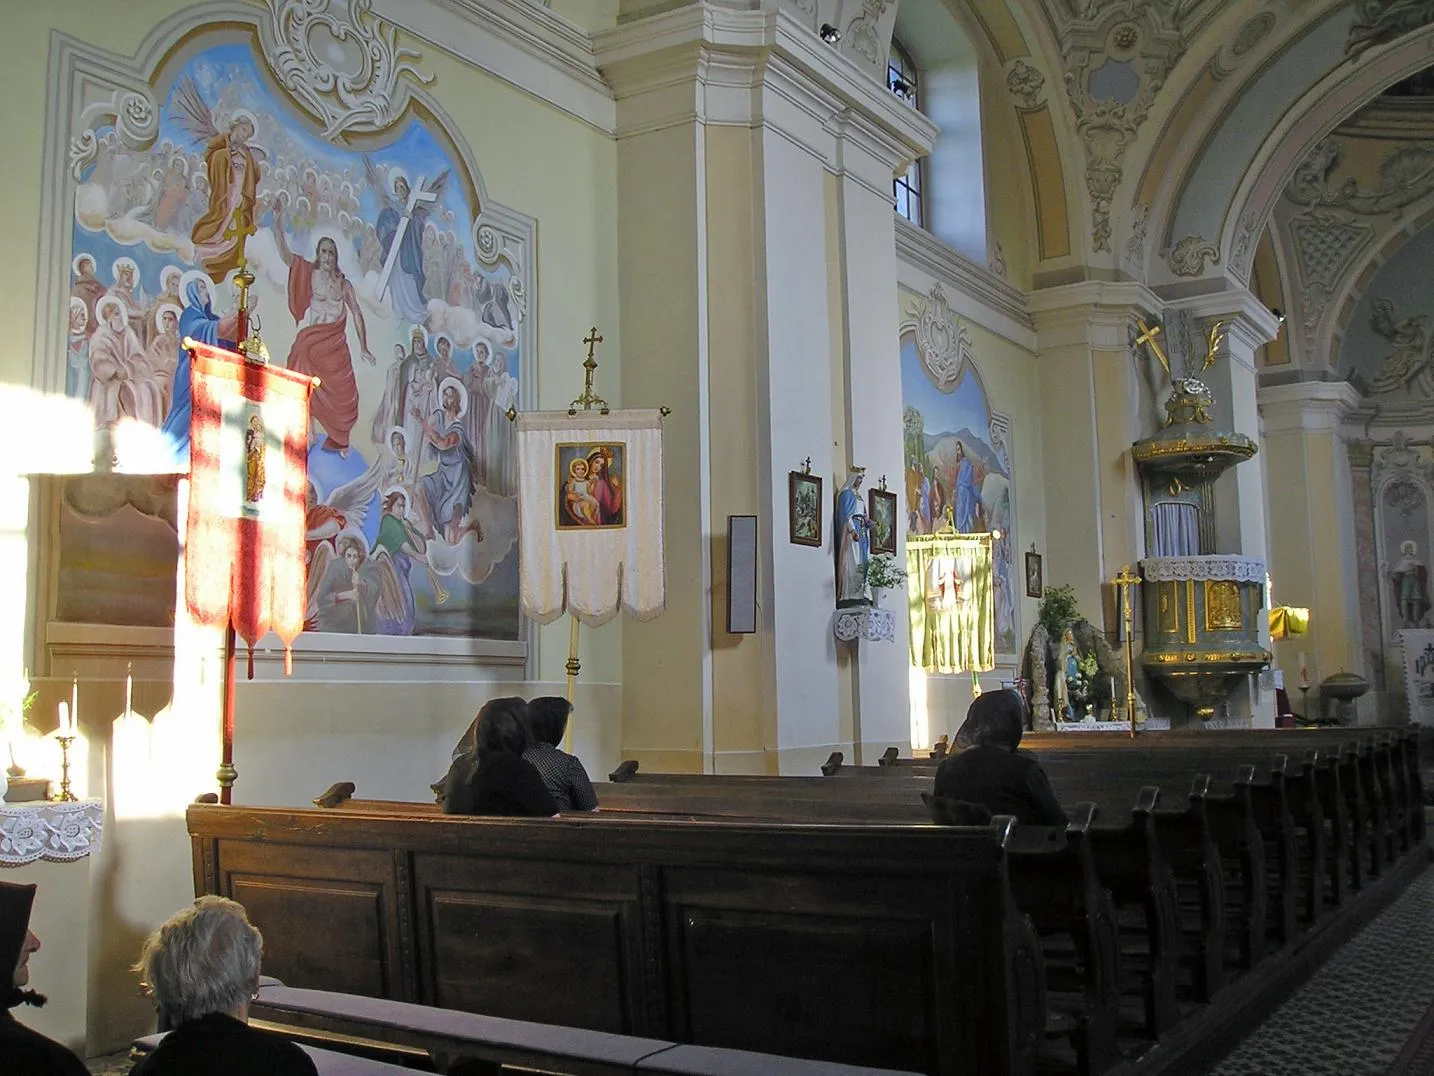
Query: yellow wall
(393,725)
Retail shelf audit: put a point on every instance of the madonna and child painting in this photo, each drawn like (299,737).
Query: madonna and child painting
(590,480)
(369,276)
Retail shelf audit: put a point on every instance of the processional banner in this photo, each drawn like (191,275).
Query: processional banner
(1418,646)
(951,603)
(244,549)
(590,515)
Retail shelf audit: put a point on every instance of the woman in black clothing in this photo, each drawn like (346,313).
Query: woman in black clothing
(989,771)
(497,779)
(21,1049)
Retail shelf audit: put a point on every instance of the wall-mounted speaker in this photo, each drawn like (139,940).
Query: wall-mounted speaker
(741,575)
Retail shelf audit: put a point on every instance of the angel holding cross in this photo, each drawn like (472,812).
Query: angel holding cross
(400,234)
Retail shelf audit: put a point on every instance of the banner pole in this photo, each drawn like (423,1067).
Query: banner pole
(574,667)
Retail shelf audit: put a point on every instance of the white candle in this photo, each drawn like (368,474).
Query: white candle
(75,700)
(128,688)
(64,729)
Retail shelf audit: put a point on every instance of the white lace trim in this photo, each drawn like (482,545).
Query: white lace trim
(55,831)
(1179,569)
(875,625)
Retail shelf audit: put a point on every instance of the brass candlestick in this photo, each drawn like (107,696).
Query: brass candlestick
(65,796)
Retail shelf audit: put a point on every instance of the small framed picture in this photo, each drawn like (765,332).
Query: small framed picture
(804,497)
(881,508)
(1035,576)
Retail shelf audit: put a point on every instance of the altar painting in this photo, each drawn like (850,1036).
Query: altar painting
(368,277)
(957,457)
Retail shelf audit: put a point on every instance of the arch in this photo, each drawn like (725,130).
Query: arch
(1233,228)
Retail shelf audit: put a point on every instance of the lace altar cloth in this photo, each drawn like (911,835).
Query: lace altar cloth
(1223,567)
(59,832)
(876,625)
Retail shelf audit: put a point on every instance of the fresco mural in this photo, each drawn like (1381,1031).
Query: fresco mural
(957,454)
(367,277)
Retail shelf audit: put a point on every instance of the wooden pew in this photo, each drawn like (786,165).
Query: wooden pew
(891,946)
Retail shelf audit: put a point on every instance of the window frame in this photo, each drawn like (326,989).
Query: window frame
(908,191)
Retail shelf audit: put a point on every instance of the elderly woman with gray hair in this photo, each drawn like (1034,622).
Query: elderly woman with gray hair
(202,969)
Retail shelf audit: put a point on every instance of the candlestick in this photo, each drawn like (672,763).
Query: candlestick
(65,796)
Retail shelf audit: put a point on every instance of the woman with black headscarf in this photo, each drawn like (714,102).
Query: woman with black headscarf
(23,1050)
(987,768)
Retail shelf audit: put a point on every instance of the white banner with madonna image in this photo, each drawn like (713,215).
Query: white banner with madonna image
(590,515)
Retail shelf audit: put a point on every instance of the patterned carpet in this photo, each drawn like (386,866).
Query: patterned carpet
(1357,1012)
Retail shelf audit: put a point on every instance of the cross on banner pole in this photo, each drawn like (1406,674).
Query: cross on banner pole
(1125,580)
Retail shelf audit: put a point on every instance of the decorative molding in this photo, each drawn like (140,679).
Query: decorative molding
(341,63)
(1025,83)
(942,341)
(1406,368)
(1228,59)
(997,264)
(1135,243)
(1306,406)
(517,41)
(1091,314)
(1188,256)
(133,113)
(979,294)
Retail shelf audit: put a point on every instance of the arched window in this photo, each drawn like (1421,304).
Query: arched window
(902,80)
(951,182)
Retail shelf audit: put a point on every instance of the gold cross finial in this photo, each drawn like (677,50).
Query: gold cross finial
(1126,577)
(1147,337)
(589,398)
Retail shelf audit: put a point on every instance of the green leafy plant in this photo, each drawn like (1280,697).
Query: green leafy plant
(1058,609)
(883,571)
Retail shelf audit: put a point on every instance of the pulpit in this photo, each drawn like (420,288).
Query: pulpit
(1202,618)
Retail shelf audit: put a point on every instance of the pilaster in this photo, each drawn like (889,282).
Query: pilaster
(1090,416)
(757,257)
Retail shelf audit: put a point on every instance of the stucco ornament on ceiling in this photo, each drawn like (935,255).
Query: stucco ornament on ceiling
(1406,366)
(863,34)
(341,63)
(1188,256)
(941,340)
(1025,83)
(1116,56)
(1379,22)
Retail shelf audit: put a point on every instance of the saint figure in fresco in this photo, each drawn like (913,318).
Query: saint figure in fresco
(231,164)
(401,224)
(254,477)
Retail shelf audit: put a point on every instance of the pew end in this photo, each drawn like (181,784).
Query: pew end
(833,763)
(888,757)
(337,793)
(207,797)
(625,771)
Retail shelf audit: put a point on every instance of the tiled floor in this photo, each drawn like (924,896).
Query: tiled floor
(1354,1016)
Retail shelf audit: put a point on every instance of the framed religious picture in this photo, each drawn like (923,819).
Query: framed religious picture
(1035,576)
(881,508)
(588,481)
(804,505)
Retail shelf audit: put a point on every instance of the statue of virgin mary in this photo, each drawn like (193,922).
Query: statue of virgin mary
(853,542)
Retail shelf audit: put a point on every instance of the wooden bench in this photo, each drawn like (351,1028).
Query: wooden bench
(889,946)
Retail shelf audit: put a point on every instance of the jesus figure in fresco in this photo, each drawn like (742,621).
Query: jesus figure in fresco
(320,300)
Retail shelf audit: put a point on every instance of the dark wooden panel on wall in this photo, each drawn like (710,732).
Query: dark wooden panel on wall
(328,918)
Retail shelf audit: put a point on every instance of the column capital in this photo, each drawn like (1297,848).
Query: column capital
(1252,323)
(1306,405)
(1092,313)
(706,63)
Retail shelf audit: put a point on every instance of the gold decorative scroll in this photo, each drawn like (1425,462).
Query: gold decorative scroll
(1190,611)
(1168,622)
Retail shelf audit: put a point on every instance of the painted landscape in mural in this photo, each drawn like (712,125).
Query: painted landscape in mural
(954,459)
(367,277)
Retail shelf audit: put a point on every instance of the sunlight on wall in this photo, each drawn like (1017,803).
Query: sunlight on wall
(44,433)
(920,725)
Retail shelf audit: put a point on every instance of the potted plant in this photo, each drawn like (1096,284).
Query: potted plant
(883,573)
